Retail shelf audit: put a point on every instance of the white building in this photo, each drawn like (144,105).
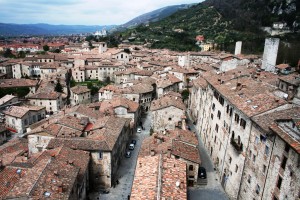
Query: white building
(18,118)
(52,101)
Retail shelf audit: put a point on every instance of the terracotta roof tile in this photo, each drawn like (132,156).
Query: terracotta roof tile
(167,100)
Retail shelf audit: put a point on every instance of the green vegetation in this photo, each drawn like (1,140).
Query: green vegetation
(185,94)
(112,41)
(58,87)
(221,22)
(46,48)
(93,85)
(21,54)
(20,91)
(8,54)
(151,131)
(72,83)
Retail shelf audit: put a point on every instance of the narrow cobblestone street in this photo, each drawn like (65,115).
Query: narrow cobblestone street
(213,190)
(127,168)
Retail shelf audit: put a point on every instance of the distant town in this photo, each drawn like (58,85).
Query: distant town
(80,119)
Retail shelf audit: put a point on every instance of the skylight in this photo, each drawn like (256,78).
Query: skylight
(47,194)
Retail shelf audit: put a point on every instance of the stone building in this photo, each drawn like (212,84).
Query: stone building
(167,112)
(56,174)
(222,107)
(272,165)
(270,54)
(105,139)
(80,94)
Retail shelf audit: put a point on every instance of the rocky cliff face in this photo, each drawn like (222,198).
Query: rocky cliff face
(249,14)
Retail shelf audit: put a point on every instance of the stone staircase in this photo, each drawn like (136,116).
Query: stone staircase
(202,182)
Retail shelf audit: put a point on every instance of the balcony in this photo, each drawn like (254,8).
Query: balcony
(238,146)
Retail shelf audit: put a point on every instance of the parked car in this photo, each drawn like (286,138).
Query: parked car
(139,130)
(131,146)
(202,173)
(133,142)
(128,154)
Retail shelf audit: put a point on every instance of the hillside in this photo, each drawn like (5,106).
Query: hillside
(220,21)
(155,15)
(46,29)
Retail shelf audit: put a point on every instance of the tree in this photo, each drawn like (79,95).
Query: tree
(89,85)
(72,83)
(46,48)
(58,87)
(56,51)
(21,54)
(185,94)
(8,54)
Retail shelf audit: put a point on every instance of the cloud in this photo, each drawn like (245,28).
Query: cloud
(85,12)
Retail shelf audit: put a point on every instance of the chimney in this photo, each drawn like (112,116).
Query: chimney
(60,188)
(169,153)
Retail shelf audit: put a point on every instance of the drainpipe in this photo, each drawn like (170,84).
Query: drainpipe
(268,167)
(245,161)
(227,143)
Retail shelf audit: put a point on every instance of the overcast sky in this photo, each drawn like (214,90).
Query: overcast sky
(79,12)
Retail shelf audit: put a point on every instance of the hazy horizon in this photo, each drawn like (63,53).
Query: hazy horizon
(79,12)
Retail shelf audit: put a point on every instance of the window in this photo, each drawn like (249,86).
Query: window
(219,114)
(267,150)
(213,106)
(279,181)
(216,95)
(215,139)
(254,158)
(227,109)
(249,179)
(287,147)
(264,168)
(230,159)
(243,123)
(212,116)
(250,154)
(236,168)
(230,112)
(257,190)
(236,118)
(283,163)
(170,118)
(133,99)
(100,155)
(221,100)
(191,168)
(217,128)
(49,103)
